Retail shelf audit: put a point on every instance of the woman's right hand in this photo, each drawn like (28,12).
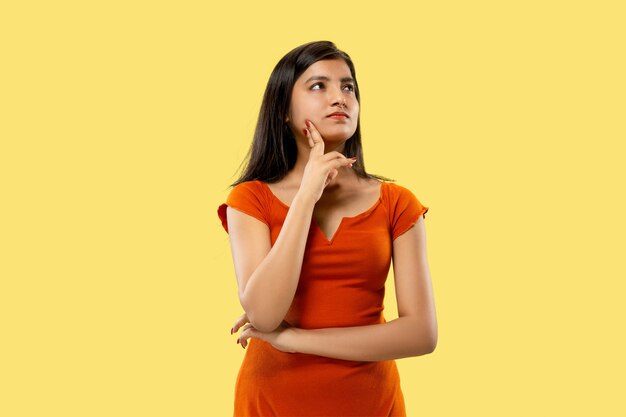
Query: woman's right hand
(321,168)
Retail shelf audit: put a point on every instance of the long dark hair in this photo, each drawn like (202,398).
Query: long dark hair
(273,151)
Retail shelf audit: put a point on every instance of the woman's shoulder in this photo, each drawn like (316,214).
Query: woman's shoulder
(248,185)
(248,197)
(399,195)
(392,189)
(252,190)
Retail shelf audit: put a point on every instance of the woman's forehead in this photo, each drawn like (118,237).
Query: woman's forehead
(328,70)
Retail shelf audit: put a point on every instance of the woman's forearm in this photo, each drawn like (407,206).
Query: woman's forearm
(269,291)
(400,338)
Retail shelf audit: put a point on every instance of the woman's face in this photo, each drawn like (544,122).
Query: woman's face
(320,91)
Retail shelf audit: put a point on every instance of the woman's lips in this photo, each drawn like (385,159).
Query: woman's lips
(338,116)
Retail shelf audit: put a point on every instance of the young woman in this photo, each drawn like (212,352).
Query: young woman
(312,236)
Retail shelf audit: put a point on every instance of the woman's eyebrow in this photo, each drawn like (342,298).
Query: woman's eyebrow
(325,78)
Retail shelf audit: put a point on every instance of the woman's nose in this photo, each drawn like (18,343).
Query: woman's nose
(337,97)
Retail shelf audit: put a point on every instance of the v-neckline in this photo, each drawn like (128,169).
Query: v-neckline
(343,219)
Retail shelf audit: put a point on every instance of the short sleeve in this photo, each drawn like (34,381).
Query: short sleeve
(248,198)
(406,210)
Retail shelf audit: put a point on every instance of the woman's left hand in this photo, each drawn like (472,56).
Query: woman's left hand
(281,338)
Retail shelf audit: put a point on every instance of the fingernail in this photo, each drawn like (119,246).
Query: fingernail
(307,123)
(237,341)
(231,331)
(305,132)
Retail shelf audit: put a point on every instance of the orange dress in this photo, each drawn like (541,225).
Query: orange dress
(342,284)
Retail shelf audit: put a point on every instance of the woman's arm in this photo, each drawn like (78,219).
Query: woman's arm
(268,275)
(414,333)
(400,338)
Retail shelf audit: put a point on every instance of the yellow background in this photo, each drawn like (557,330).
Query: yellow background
(122,124)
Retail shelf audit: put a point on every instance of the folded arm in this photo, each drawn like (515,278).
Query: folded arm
(414,333)
(400,338)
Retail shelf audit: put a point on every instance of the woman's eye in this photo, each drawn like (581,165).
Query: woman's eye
(321,85)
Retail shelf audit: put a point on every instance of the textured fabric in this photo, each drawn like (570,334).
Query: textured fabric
(342,284)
